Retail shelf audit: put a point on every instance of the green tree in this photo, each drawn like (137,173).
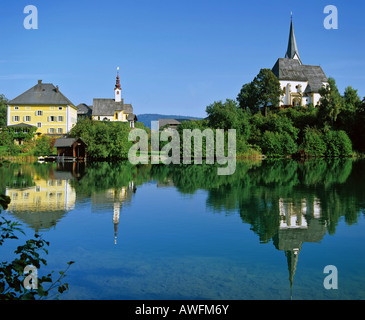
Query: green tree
(43,146)
(338,143)
(263,91)
(104,139)
(3,110)
(228,115)
(330,103)
(247,97)
(313,143)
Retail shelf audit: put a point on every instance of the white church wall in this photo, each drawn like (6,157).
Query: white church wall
(293,88)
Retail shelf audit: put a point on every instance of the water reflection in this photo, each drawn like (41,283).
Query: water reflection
(286,203)
(40,198)
(299,222)
(113,200)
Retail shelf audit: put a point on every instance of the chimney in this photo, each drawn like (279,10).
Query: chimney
(56,88)
(39,81)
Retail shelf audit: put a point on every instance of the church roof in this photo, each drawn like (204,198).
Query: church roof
(41,94)
(293,70)
(107,107)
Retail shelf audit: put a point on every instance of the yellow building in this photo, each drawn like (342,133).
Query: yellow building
(45,107)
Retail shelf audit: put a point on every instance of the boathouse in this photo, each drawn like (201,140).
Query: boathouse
(71,147)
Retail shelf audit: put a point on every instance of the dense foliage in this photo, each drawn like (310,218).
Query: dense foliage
(104,139)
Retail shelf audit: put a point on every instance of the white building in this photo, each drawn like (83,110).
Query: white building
(301,83)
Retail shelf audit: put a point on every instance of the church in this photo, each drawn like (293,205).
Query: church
(301,83)
(114,109)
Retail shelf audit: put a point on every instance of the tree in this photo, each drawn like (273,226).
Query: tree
(3,110)
(228,115)
(351,99)
(330,103)
(104,139)
(43,146)
(263,91)
(313,143)
(247,97)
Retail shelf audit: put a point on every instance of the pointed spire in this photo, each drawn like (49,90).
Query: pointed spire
(292,51)
(117,84)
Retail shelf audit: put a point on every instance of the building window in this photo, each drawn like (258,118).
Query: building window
(116,116)
(59,130)
(60,118)
(16,108)
(51,118)
(60,108)
(39,112)
(25,130)
(26,118)
(50,130)
(51,108)
(39,124)
(16,118)
(27,108)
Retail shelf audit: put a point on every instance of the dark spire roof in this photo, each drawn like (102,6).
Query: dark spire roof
(292,44)
(117,84)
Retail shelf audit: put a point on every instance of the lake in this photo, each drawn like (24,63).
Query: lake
(183,232)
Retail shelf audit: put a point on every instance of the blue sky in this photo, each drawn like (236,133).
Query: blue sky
(175,57)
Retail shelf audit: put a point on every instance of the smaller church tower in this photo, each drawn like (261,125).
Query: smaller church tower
(118,89)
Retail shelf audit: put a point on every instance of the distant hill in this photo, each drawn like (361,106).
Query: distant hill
(146,118)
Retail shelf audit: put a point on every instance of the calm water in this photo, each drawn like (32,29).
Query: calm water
(158,232)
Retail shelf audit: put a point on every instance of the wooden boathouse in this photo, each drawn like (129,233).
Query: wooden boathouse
(71,148)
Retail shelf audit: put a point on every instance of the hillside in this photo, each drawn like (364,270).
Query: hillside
(146,118)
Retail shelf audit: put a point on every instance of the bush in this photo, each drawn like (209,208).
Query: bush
(313,143)
(338,143)
(43,146)
(278,144)
(13,149)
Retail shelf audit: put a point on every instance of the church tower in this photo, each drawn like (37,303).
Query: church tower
(292,51)
(118,89)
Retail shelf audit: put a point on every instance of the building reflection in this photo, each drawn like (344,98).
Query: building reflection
(113,200)
(40,201)
(300,222)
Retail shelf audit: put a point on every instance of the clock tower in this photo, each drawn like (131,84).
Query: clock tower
(118,89)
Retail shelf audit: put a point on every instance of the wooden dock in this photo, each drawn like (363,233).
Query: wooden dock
(54,158)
